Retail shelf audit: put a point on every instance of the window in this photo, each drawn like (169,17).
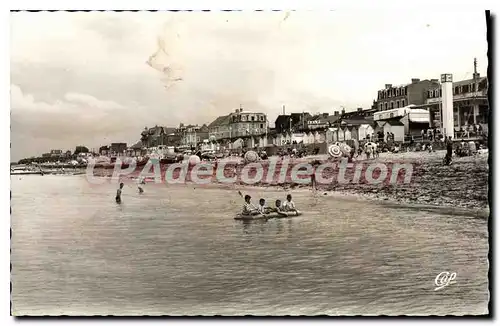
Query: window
(386,105)
(381,106)
(430,94)
(402,103)
(261,126)
(392,105)
(397,91)
(253,118)
(397,104)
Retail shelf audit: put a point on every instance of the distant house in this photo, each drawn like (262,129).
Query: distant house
(355,125)
(55,152)
(294,122)
(157,135)
(104,150)
(194,135)
(220,128)
(318,122)
(118,148)
(136,149)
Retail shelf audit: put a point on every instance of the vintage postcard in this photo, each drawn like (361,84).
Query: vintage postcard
(343,158)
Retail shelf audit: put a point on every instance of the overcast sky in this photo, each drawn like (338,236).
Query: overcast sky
(83,78)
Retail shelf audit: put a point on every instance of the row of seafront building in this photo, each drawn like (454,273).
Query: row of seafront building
(403,111)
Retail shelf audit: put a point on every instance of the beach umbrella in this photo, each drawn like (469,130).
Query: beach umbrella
(370,144)
(346,149)
(370,148)
(251,156)
(194,159)
(335,151)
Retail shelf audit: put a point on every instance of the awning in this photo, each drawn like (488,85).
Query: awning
(419,119)
(333,129)
(364,126)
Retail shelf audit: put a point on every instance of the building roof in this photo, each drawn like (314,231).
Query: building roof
(463,82)
(357,122)
(222,120)
(157,130)
(137,145)
(468,81)
(322,117)
(333,118)
(169,130)
(394,122)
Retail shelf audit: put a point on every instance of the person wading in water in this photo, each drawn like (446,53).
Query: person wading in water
(119,194)
(142,182)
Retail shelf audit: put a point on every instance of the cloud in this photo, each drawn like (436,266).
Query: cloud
(81,76)
(74,119)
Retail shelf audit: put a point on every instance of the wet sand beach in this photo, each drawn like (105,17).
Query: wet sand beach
(463,184)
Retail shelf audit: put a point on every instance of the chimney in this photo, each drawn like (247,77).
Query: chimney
(415,80)
(387,86)
(325,115)
(335,113)
(475,75)
(237,110)
(360,109)
(343,111)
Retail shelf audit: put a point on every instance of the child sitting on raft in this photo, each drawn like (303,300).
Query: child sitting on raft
(249,208)
(289,205)
(263,209)
(279,208)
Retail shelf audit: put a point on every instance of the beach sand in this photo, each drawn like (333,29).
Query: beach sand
(463,184)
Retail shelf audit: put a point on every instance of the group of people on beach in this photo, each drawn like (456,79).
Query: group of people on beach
(281,208)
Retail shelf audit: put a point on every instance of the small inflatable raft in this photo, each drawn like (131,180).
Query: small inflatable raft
(267,216)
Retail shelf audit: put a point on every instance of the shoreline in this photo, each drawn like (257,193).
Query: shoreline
(482,213)
(462,185)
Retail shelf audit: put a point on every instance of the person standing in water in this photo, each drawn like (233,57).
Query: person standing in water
(119,194)
(449,151)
